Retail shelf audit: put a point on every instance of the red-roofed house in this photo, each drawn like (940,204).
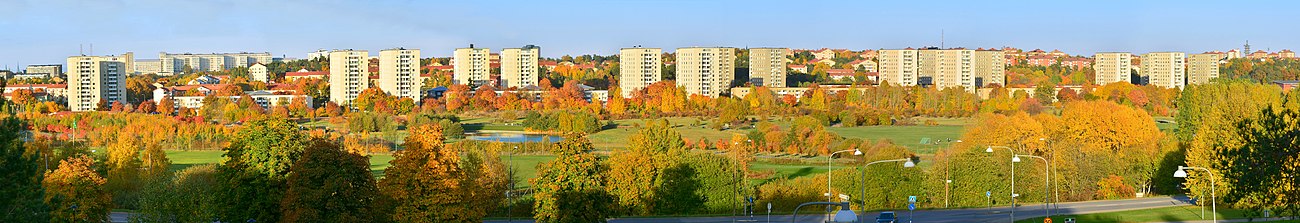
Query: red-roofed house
(1258,54)
(868,65)
(840,74)
(1286,54)
(300,74)
(798,68)
(824,54)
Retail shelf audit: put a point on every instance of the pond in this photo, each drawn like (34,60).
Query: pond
(512,137)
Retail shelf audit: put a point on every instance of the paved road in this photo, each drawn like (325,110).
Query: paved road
(996,214)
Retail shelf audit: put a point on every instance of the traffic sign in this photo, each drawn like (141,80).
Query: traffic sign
(911,207)
(988,193)
(1047,220)
(911,199)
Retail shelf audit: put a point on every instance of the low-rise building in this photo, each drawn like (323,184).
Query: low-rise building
(258,72)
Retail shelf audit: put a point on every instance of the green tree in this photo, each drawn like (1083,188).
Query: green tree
(191,195)
(76,193)
(257,162)
(571,187)
(20,176)
(328,184)
(1262,169)
(639,176)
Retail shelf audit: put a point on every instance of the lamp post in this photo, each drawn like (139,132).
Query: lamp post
(1045,182)
(947,177)
(1182,173)
(829,160)
(511,209)
(1056,175)
(907,163)
(1014,159)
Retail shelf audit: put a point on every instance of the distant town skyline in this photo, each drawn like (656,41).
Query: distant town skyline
(41,32)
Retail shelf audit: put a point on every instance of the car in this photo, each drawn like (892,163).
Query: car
(887,217)
(1069,220)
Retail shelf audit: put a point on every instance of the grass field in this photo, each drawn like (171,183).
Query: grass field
(526,165)
(1169,214)
(907,136)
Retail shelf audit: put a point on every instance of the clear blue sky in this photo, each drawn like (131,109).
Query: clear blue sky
(47,31)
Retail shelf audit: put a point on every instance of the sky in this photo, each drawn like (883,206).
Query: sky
(48,31)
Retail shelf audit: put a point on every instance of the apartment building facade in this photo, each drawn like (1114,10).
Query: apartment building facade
(519,66)
(95,79)
(471,66)
(1166,69)
(767,66)
(1202,68)
(399,73)
(706,71)
(638,68)
(948,68)
(258,72)
(898,67)
(349,75)
(990,67)
(1111,67)
(48,70)
(172,64)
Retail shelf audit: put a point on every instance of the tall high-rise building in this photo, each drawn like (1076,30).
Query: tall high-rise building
(349,75)
(706,71)
(990,66)
(1111,67)
(948,68)
(95,79)
(471,66)
(1166,69)
(638,68)
(1201,68)
(399,73)
(767,66)
(519,66)
(898,67)
(176,63)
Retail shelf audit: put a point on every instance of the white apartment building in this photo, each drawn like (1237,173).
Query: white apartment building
(638,68)
(172,64)
(898,67)
(95,78)
(349,75)
(767,66)
(706,71)
(519,66)
(1166,69)
(1111,67)
(471,66)
(399,73)
(258,72)
(48,70)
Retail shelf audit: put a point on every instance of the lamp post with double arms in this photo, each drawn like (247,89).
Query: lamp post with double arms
(1047,179)
(1014,159)
(907,163)
(830,160)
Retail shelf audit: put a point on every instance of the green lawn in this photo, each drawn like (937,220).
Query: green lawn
(1169,214)
(526,165)
(617,138)
(184,159)
(908,136)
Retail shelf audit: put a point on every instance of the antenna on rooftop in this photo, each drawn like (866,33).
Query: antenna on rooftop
(941,38)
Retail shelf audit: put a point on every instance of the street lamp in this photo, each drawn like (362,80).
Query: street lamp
(1014,159)
(1045,182)
(1181,173)
(947,177)
(907,163)
(829,160)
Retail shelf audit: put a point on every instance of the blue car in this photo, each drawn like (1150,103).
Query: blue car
(887,217)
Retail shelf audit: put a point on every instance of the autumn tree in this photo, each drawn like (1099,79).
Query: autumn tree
(328,184)
(190,195)
(167,106)
(124,170)
(571,188)
(1261,171)
(76,193)
(1207,117)
(427,182)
